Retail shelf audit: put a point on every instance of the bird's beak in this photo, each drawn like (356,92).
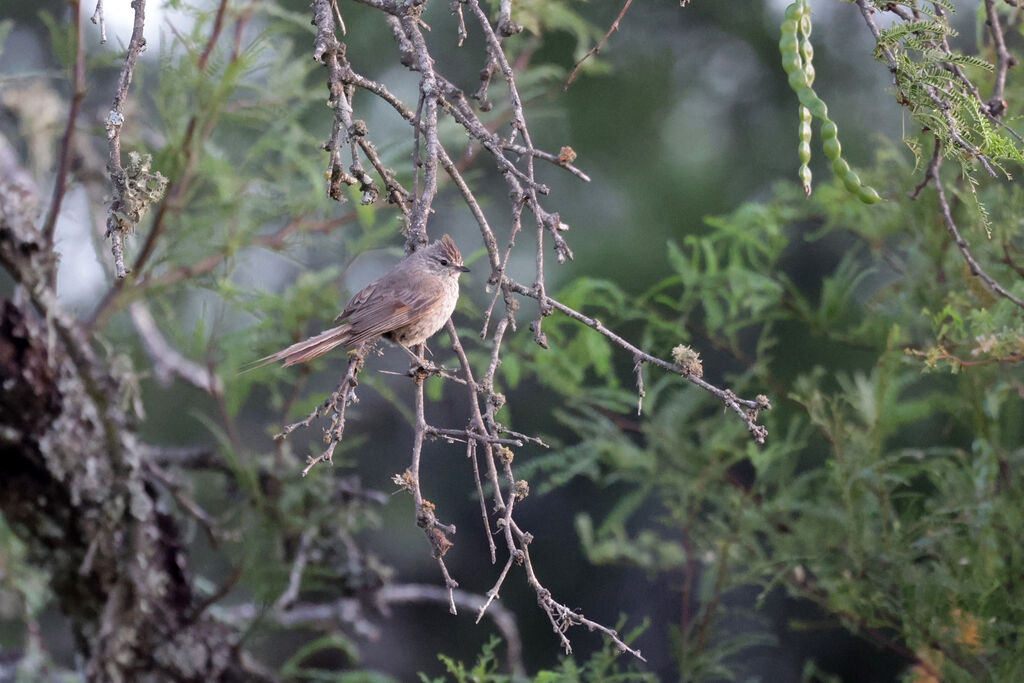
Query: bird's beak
(464,269)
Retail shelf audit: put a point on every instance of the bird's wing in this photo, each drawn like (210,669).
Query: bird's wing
(382,307)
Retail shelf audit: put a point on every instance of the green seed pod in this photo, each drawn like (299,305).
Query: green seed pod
(840,167)
(804,149)
(852,182)
(833,150)
(817,106)
(806,49)
(868,195)
(797,53)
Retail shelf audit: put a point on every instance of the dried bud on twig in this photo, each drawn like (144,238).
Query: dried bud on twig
(504,455)
(405,481)
(688,360)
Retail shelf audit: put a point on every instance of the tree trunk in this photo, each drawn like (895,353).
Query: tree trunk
(74,487)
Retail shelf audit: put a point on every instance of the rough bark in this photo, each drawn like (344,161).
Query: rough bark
(73,485)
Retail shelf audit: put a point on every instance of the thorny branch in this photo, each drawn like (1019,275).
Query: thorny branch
(487,440)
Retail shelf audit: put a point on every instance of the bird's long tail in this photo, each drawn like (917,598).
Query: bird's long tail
(307,349)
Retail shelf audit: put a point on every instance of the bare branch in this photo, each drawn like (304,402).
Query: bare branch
(291,591)
(503,619)
(337,404)
(747,409)
(1004,60)
(597,48)
(484,436)
(97,18)
(166,360)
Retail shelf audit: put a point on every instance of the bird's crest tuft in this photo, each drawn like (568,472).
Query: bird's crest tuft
(449,250)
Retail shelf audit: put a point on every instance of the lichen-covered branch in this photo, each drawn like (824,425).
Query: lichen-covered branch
(132,192)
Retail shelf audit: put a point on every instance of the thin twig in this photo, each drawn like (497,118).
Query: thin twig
(67,142)
(471,454)
(597,48)
(187,457)
(997,104)
(218,24)
(503,619)
(747,409)
(337,404)
(291,591)
(469,434)
(186,502)
(97,17)
(426,518)
(947,216)
(638,369)
(165,359)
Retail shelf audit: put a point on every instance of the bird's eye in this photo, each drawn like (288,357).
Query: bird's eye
(444,262)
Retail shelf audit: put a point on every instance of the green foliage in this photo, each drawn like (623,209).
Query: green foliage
(930,84)
(484,670)
(293,668)
(23,593)
(885,493)
(63,40)
(606,665)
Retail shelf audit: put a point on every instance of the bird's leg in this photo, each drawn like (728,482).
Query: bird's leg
(419,361)
(416,359)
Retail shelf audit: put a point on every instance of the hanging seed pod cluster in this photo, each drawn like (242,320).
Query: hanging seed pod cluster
(797,55)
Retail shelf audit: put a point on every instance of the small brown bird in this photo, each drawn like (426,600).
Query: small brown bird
(407,305)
